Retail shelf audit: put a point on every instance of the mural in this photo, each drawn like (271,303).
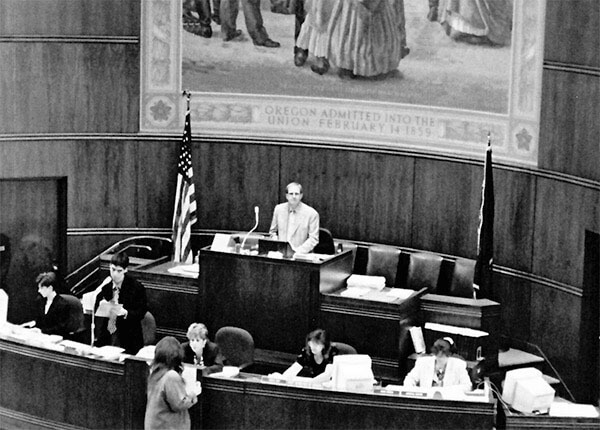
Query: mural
(422,75)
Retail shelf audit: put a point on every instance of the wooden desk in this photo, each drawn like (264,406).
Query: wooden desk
(246,402)
(173,299)
(374,327)
(41,388)
(515,420)
(276,300)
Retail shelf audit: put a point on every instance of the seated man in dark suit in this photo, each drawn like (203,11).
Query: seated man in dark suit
(199,350)
(124,327)
(52,311)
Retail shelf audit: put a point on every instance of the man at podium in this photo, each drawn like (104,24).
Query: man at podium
(295,222)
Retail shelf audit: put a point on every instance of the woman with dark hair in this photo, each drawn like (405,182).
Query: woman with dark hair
(52,311)
(315,359)
(168,400)
(440,369)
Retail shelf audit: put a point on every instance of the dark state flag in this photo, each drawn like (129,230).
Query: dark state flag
(483,278)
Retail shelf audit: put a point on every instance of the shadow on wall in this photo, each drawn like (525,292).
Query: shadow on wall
(19,268)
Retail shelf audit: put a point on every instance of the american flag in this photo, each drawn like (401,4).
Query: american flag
(483,278)
(184,214)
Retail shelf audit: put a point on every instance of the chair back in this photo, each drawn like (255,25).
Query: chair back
(383,261)
(237,346)
(344,348)
(76,324)
(325,245)
(462,278)
(424,271)
(148,329)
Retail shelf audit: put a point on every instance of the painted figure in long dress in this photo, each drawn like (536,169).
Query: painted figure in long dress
(474,21)
(313,36)
(367,37)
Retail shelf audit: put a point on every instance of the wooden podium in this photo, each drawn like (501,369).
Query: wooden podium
(276,300)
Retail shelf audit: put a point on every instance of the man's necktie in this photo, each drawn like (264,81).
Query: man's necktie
(112,320)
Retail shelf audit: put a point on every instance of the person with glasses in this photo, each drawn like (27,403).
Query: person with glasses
(295,222)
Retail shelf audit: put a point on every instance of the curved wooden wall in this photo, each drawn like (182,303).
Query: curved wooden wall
(70,105)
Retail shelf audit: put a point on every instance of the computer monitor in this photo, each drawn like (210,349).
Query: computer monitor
(267,245)
(526,390)
(352,372)
(533,395)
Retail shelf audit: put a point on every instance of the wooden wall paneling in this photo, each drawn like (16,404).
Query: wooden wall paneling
(563,212)
(555,325)
(28,217)
(359,195)
(102,184)
(231,179)
(514,209)
(569,129)
(514,296)
(572,32)
(28,159)
(447,199)
(70,17)
(156,183)
(69,87)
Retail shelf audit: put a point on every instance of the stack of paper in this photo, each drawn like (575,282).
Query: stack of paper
(364,281)
(464,331)
(355,292)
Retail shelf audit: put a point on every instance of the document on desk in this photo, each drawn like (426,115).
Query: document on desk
(355,292)
(185,269)
(105,308)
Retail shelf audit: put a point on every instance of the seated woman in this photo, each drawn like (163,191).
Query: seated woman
(315,360)
(440,369)
(52,311)
(168,398)
(201,351)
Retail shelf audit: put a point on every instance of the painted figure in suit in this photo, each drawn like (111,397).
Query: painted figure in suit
(440,369)
(52,311)
(199,350)
(254,22)
(124,327)
(296,222)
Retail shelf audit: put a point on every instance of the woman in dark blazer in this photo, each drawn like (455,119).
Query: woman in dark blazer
(52,311)
(199,350)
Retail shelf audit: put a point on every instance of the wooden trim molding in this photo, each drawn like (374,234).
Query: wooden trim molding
(27,38)
(571,68)
(33,422)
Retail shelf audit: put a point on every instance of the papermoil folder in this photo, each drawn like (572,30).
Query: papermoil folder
(105,308)
(471,344)
(364,281)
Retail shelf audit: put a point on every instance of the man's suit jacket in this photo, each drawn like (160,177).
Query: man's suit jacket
(306,232)
(56,321)
(133,298)
(422,374)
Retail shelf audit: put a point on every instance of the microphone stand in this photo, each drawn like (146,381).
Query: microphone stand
(253,228)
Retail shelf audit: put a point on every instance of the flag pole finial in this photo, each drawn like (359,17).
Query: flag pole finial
(188,96)
(489,142)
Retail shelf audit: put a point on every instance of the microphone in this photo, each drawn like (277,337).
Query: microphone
(253,228)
